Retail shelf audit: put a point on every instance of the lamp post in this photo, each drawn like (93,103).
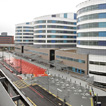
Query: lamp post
(48,79)
(58,90)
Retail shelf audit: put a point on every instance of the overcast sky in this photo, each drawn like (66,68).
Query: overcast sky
(18,11)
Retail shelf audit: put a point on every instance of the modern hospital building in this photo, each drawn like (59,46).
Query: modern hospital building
(84,35)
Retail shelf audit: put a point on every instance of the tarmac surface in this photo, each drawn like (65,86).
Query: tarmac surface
(63,85)
(33,95)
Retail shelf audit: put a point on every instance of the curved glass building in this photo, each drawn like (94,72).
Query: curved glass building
(91,38)
(55,31)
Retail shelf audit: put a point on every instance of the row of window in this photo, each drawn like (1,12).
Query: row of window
(54,36)
(24,30)
(40,36)
(93,25)
(97,73)
(91,8)
(55,26)
(92,16)
(23,37)
(61,22)
(97,63)
(73,69)
(38,52)
(18,37)
(65,15)
(54,31)
(55,21)
(70,59)
(92,34)
(92,43)
(61,41)
(24,33)
(60,36)
(63,27)
(27,37)
(24,40)
(24,27)
(40,21)
(55,41)
(39,41)
(68,32)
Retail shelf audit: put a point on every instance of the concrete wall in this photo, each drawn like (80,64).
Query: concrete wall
(78,65)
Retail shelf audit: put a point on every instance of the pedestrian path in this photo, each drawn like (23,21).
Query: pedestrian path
(21,84)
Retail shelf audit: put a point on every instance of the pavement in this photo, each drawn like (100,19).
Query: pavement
(71,95)
(33,96)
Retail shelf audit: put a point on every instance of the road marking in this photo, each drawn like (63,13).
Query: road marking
(91,101)
(31,101)
(21,84)
(37,92)
(54,95)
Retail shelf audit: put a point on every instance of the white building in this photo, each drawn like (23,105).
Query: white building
(91,38)
(51,31)
(24,34)
(55,31)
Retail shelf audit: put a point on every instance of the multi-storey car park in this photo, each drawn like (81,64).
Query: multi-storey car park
(58,30)
(24,33)
(91,38)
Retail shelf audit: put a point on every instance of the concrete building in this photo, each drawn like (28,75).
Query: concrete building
(6,41)
(91,38)
(51,31)
(76,63)
(24,34)
(55,31)
(67,60)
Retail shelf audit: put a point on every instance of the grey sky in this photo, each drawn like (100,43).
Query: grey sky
(19,11)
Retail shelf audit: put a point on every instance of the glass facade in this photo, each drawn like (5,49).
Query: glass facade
(97,63)
(62,27)
(27,33)
(40,21)
(39,41)
(27,37)
(40,36)
(60,36)
(65,15)
(92,43)
(92,8)
(40,31)
(92,16)
(70,59)
(67,32)
(18,33)
(92,34)
(61,22)
(61,41)
(76,70)
(40,26)
(28,27)
(92,25)
(27,30)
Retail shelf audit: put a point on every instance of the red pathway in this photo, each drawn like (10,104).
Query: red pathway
(27,68)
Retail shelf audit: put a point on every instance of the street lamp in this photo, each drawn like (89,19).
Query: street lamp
(48,81)
(59,91)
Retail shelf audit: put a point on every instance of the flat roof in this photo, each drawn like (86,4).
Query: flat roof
(5,99)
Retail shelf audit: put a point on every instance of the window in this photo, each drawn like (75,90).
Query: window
(65,15)
(53,15)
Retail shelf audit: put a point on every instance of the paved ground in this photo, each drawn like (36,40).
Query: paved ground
(33,95)
(70,93)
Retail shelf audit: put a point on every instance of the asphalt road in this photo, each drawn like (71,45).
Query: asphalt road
(34,96)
